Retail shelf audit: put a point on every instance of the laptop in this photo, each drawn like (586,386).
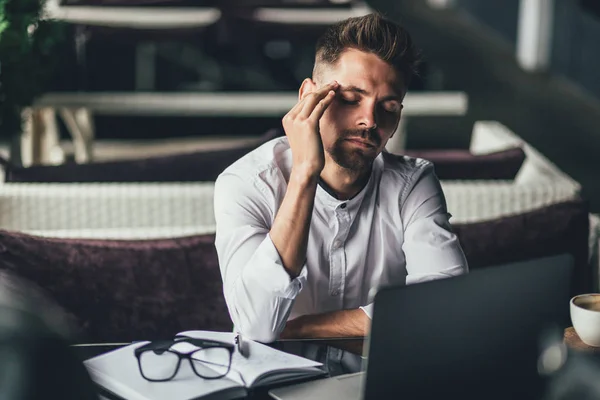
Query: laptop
(473,336)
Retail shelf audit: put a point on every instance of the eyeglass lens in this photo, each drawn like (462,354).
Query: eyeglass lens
(212,362)
(209,363)
(159,366)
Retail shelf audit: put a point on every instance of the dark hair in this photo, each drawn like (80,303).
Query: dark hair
(370,33)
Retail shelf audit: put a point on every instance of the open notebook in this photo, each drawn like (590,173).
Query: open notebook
(117,372)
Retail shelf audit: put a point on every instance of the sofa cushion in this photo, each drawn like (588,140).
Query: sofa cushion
(125,290)
(463,165)
(551,230)
(198,166)
(120,290)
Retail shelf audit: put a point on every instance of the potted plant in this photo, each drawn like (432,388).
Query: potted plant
(28,49)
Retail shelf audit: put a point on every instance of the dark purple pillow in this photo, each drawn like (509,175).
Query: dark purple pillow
(551,230)
(461,164)
(119,290)
(199,166)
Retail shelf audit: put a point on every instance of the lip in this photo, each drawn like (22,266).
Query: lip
(361,143)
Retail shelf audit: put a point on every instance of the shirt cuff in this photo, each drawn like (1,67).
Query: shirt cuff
(267,270)
(368,309)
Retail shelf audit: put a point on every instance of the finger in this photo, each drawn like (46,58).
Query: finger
(296,109)
(320,108)
(317,96)
(310,101)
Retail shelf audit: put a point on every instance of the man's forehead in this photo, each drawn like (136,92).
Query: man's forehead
(384,89)
(367,87)
(362,79)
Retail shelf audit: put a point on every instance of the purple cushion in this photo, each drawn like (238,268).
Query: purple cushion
(125,290)
(187,167)
(552,230)
(461,164)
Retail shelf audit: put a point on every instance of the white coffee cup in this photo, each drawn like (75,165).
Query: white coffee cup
(585,316)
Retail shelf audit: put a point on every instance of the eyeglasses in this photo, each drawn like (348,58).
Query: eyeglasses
(158,361)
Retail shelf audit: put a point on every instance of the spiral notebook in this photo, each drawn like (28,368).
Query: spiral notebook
(117,373)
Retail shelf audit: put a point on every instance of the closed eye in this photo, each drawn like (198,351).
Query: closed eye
(348,101)
(392,107)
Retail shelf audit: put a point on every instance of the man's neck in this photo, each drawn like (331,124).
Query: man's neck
(342,183)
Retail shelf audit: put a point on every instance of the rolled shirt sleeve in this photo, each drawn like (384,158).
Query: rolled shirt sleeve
(368,309)
(431,248)
(258,290)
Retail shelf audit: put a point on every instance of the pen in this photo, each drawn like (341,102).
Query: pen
(242,345)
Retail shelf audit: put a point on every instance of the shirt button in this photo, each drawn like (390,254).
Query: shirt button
(337,244)
(343,205)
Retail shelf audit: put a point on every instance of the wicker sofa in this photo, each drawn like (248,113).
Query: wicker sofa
(121,257)
(538,183)
(134,210)
(150,209)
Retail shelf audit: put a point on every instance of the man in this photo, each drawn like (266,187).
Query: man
(309,223)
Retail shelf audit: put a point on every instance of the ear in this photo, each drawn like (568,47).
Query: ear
(308,86)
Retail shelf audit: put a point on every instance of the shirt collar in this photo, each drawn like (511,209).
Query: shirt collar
(328,199)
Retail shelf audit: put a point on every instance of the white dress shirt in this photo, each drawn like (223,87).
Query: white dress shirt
(395,231)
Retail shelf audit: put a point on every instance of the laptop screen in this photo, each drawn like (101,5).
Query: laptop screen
(473,335)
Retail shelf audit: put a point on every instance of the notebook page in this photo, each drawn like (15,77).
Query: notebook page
(118,372)
(262,360)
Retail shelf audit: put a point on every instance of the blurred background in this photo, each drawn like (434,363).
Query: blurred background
(528,64)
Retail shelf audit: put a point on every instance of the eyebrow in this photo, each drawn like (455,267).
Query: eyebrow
(356,89)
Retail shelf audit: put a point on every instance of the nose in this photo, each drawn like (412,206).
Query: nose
(368,117)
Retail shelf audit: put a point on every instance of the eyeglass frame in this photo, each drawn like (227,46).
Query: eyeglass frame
(165,346)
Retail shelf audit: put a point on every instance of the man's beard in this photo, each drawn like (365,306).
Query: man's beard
(354,159)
